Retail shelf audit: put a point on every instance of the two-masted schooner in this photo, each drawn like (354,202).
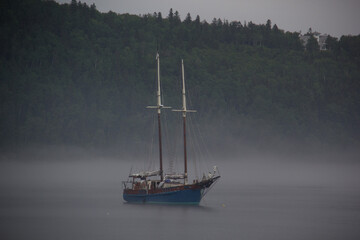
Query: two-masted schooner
(157,187)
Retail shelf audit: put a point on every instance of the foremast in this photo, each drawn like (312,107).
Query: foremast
(184,110)
(159,106)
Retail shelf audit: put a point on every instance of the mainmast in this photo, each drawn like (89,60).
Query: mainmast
(184,111)
(159,106)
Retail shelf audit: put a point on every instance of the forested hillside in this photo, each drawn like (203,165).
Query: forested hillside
(72,75)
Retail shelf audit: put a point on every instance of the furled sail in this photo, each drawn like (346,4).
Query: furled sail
(175,176)
(145,174)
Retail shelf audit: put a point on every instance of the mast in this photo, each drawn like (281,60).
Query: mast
(159,106)
(184,118)
(184,111)
(159,113)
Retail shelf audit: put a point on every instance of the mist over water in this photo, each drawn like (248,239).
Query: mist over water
(64,194)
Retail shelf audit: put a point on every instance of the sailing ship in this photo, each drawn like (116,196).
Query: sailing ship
(157,187)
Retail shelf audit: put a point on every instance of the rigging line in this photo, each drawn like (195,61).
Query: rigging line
(199,147)
(201,137)
(198,142)
(180,147)
(153,157)
(151,149)
(179,132)
(170,144)
(167,145)
(195,146)
(197,172)
(177,142)
(203,141)
(203,146)
(174,147)
(207,154)
(151,152)
(190,150)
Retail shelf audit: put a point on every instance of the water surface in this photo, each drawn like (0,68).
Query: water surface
(82,199)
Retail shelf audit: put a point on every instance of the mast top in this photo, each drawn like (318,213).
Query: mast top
(184,110)
(159,105)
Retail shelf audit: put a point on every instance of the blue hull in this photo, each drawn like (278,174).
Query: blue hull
(185,196)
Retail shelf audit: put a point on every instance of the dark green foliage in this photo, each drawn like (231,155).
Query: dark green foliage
(312,45)
(350,45)
(332,44)
(70,74)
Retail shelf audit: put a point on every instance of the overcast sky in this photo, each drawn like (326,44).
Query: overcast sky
(334,17)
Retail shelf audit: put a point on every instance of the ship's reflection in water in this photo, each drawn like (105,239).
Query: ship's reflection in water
(82,200)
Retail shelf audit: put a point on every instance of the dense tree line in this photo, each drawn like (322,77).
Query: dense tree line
(70,74)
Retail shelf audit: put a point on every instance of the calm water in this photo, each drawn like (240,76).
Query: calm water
(82,200)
